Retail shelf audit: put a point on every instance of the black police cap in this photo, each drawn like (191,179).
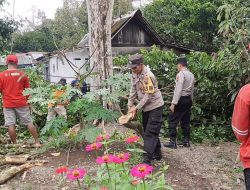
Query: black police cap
(182,60)
(135,60)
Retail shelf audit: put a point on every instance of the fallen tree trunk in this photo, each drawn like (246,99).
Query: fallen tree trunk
(125,120)
(20,159)
(9,173)
(135,126)
(17,159)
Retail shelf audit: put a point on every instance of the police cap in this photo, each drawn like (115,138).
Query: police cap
(182,60)
(135,60)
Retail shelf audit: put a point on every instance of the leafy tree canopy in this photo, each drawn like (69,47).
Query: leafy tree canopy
(6,29)
(41,39)
(122,7)
(188,23)
(66,29)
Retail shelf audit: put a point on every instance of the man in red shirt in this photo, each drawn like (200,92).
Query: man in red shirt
(12,84)
(241,127)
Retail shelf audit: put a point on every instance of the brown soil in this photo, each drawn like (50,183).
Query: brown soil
(204,167)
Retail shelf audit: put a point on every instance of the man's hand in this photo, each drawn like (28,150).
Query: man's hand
(133,111)
(172,107)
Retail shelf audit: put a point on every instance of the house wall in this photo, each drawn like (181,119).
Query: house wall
(59,67)
(128,50)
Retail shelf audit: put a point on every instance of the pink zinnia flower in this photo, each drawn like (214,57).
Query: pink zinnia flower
(132,139)
(120,158)
(94,146)
(141,170)
(75,174)
(105,159)
(61,170)
(103,137)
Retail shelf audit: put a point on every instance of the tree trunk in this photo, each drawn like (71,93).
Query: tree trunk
(100,20)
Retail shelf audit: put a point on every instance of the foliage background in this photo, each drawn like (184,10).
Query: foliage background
(222,27)
(187,23)
(67,28)
(213,106)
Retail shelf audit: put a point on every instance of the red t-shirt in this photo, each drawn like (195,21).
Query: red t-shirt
(12,84)
(241,123)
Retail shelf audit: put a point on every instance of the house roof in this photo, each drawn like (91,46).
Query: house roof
(119,23)
(26,58)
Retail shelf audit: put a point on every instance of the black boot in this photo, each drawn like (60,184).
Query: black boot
(147,158)
(157,155)
(186,142)
(171,144)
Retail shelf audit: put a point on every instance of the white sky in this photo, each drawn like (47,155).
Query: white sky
(137,3)
(23,7)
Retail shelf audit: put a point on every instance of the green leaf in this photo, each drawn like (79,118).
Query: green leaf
(137,150)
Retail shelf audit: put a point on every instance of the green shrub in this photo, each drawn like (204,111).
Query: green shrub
(212,106)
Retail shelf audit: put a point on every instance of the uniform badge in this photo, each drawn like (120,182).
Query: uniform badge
(148,85)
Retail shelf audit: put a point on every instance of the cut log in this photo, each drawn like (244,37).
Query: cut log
(17,159)
(20,159)
(135,126)
(125,120)
(9,173)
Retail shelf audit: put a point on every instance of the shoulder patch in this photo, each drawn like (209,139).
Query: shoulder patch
(148,85)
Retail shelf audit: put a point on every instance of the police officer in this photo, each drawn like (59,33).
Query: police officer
(144,88)
(181,104)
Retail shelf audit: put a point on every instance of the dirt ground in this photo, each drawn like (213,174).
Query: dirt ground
(205,167)
(201,167)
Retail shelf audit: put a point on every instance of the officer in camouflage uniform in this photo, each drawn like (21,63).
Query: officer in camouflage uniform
(144,88)
(181,104)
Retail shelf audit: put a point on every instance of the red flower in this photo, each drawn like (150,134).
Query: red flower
(94,146)
(141,170)
(132,139)
(103,137)
(61,170)
(76,174)
(105,159)
(120,158)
